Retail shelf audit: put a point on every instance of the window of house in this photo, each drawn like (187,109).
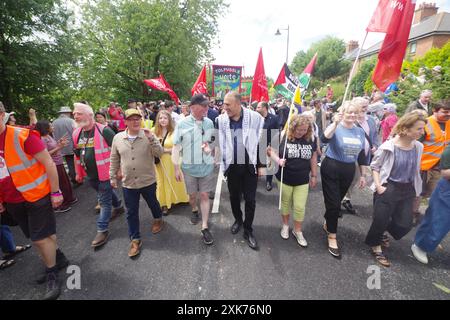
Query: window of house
(413,47)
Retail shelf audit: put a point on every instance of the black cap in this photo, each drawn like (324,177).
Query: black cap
(131,100)
(199,99)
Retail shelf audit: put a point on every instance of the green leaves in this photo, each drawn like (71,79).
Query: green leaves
(129,41)
(329,64)
(50,57)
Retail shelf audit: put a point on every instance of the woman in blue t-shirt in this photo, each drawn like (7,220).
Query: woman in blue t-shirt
(300,172)
(346,143)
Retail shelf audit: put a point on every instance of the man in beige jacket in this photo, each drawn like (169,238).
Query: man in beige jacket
(133,152)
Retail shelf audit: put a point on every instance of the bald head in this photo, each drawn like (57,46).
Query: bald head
(232,105)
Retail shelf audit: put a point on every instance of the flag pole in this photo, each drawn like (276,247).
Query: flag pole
(353,68)
(284,150)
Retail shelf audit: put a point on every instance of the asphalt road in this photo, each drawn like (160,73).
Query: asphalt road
(175,264)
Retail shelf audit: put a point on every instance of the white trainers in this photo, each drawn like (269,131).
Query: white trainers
(300,239)
(419,254)
(285,232)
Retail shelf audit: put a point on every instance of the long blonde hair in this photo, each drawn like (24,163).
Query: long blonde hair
(170,127)
(298,120)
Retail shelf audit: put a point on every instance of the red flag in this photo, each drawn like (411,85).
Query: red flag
(392,51)
(259,87)
(200,84)
(309,69)
(383,15)
(161,84)
(281,77)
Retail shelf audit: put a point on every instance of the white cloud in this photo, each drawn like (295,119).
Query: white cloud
(251,24)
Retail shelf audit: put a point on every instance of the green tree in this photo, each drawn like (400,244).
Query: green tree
(438,82)
(126,42)
(359,80)
(35,43)
(330,62)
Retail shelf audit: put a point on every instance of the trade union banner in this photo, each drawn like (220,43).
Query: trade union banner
(225,79)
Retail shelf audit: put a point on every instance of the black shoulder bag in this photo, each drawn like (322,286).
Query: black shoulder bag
(158,160)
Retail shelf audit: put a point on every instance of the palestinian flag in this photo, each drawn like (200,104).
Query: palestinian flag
(305,77)
(286,83)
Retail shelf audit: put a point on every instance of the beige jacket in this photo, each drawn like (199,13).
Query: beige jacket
(136,160)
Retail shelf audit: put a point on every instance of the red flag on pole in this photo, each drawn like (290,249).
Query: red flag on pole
(392,52)
(200,84)
(161,84)
(382,16)
(260,91)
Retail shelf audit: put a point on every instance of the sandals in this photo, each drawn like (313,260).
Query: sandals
(335,252)
(385,241)
(381,258)
(19,249)
(6,263)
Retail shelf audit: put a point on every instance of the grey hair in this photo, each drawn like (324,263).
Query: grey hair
(84,107)
(426,91)
(2,107)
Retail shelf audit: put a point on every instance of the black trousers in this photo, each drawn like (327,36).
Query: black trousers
(242,180)
(337,177)
(71,166)
(392,212)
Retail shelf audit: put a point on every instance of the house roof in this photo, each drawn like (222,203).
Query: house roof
(434,25)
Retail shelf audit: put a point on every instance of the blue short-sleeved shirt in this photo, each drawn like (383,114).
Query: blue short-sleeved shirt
(191,134)
(346,144)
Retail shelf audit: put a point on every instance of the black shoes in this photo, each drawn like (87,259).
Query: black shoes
(251,241)
(61,263)
(236,227)
(207,237)
(269,186)
(195,218)
(53,287)
(348,206)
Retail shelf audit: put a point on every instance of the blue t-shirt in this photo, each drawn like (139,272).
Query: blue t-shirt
(191,134)
(347,145)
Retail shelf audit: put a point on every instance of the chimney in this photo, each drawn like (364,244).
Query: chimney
(424,11)
(351,45)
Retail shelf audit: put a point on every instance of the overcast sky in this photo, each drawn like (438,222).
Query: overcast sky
(251,24)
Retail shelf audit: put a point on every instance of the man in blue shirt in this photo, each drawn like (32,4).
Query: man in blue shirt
(192,137)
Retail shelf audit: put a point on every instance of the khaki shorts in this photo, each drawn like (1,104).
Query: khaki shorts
(203,184)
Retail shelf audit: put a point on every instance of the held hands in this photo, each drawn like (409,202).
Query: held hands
(205,147)
(79,179)
(2,208)
(313,182)
(338,118)
(57,200)
(178,175)
(148,133)
(381,190)
(63,142)
(113,184)
(362,182)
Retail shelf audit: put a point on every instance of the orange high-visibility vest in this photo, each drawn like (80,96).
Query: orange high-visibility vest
(28,175)
(434,144)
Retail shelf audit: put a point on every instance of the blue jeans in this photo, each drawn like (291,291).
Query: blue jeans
(6,240)
(108,199)
(131,197)
(436,222)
